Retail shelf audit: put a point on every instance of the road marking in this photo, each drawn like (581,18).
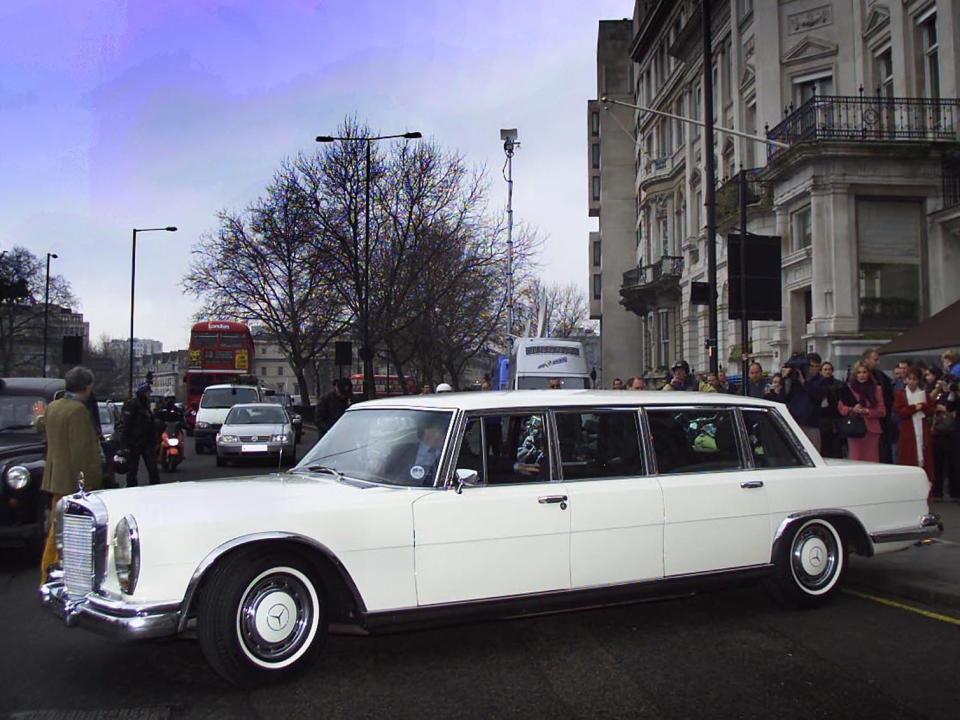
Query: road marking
(908,608)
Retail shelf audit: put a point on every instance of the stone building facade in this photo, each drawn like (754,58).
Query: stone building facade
(865,199)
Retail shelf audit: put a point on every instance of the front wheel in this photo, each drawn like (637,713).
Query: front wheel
(262,617)
(811,564)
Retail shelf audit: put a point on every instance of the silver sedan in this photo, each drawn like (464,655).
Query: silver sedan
(256,430)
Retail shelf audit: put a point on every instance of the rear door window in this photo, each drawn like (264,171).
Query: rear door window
(694,440)
(770,445)
(599,444)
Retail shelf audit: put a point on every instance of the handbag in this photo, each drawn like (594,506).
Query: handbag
(942,424)
(852,426)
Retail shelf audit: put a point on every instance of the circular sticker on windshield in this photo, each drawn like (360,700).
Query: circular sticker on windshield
(417,472)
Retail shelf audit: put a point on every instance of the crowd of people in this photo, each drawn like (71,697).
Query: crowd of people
(908,419)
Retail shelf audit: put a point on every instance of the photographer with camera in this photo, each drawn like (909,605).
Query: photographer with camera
(803,392)
(681,380)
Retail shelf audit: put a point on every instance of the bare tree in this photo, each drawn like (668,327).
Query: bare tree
(111,369)
(21,318)
(427,230)
(562,307)
(262,267)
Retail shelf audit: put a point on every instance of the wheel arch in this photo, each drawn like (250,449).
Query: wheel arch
(346,604)
(851,530)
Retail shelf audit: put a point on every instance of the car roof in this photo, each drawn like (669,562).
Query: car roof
(45,387)
(227,386)
(492,400)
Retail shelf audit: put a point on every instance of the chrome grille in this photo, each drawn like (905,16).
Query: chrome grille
(78,555)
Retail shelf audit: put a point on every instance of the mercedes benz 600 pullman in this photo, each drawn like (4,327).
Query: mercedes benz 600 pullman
(412,511)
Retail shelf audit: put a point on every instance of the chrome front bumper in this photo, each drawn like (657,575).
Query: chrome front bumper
(113,618)
(930,527)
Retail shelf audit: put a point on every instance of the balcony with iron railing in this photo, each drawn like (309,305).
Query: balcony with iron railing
(652,286)
(871,119)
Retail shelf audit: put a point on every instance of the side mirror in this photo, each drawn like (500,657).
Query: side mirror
(466,478)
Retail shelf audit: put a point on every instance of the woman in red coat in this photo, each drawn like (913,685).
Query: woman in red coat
(913,407)
(864,397)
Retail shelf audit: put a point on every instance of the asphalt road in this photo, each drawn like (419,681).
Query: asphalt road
(730,654)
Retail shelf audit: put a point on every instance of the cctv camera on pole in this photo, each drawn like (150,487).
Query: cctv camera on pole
(510,144)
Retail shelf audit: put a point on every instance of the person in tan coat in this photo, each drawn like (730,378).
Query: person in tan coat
(72,448)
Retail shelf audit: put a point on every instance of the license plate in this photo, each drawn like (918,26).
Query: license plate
(253,448)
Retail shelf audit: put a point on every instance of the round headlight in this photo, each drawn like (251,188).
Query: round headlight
(18,477)
(126,553)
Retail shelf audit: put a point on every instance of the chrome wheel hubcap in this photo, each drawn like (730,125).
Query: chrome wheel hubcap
(276,616)
(815,557)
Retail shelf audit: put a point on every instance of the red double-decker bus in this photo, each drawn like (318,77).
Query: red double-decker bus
(220,351)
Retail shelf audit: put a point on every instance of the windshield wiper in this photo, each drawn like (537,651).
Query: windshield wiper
(28,426)
(324,469)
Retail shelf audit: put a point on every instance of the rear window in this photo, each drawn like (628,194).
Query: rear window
(228,397)
(256,415)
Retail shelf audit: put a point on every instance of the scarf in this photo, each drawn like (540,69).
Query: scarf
(914,397)
(866,392)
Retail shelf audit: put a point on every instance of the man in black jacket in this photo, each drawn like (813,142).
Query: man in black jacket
(334,404)
(871,358)
(140,437)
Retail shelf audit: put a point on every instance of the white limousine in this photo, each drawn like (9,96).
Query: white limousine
(438,508)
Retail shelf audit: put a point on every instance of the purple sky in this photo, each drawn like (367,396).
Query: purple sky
(153,112)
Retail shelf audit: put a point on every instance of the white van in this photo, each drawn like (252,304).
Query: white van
(536,360)
(214,406)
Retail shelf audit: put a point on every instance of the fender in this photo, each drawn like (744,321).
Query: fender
(847,521)
(243,540)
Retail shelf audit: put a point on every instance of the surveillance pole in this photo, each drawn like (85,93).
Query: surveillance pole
(510,145)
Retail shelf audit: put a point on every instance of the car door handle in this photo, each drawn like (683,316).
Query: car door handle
(751,484)
(550,499)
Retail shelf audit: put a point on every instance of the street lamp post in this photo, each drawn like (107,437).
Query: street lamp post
(366,352)
(133,277)
(46,310)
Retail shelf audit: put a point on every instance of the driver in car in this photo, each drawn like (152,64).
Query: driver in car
(417,464)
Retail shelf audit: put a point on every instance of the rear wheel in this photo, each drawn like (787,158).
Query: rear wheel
(811,564)
(262,616)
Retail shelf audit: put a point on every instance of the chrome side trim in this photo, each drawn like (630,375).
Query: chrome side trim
(514,606)
(930,527)
(216,553)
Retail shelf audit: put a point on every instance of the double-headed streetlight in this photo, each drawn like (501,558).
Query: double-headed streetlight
(366,352)
(46,310)
(133,277)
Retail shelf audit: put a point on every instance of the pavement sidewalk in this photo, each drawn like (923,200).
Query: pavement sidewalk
(928,573)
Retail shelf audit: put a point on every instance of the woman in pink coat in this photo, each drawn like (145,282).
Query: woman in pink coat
(864,397)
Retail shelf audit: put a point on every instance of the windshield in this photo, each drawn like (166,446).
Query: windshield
(18,411)
(256,415)
(391,446)
(227,397)
(106,417)
(542,382)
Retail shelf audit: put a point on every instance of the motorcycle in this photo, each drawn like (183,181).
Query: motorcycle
(171,446)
